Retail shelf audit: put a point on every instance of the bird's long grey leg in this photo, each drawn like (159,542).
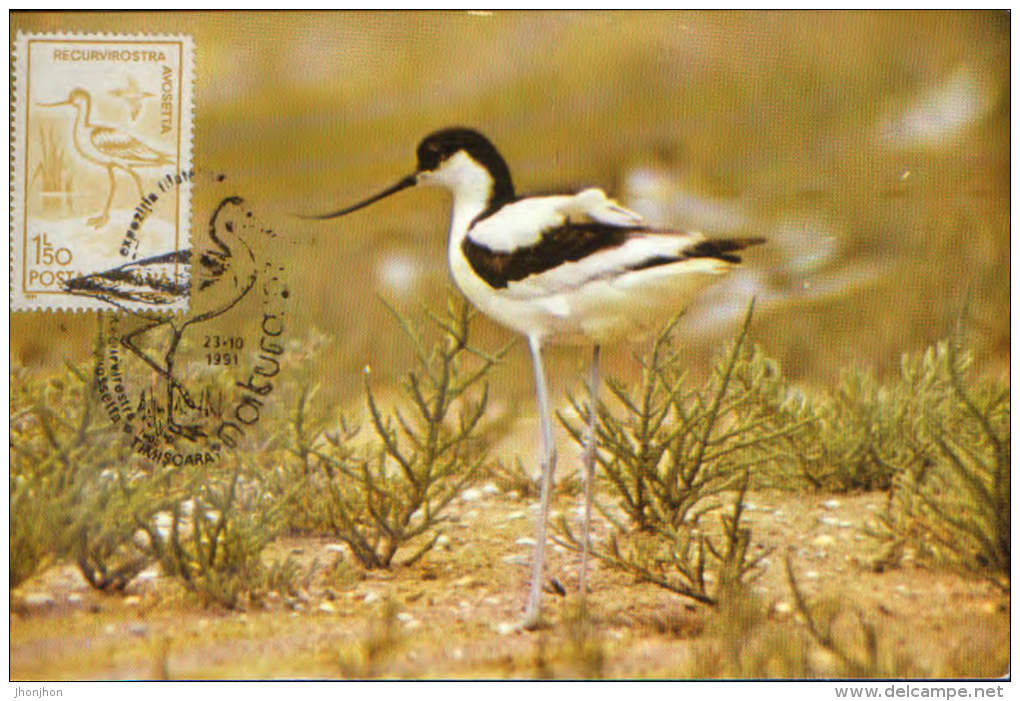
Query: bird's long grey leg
(589,469)
(532,614)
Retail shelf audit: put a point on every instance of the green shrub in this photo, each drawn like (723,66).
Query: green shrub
(861,437)
(79,492)
(70,491)
(515,478)
(388,491)
(674,454)
(213,537)
(954,507)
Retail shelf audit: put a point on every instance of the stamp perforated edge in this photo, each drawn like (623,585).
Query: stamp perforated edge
(68,302)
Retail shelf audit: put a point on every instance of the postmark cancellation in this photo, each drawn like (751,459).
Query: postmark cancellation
(102,165)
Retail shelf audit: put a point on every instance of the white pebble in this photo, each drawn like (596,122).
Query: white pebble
(404,617)
(823,541)
(371,597)
(525,541)
(831,504)
(506,628)
(811,574)
(39,599)
(490,488)
(471,494)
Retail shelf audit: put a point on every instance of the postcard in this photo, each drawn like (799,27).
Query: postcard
(505,345)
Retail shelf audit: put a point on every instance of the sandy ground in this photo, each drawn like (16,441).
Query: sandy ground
(453,614)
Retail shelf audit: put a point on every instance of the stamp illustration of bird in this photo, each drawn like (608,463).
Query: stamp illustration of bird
(576,269)
(109,147)
(132,95)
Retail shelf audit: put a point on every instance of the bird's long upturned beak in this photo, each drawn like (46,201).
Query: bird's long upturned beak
(409,181)
(53,104)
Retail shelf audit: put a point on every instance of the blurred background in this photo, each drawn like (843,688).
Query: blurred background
(870,148)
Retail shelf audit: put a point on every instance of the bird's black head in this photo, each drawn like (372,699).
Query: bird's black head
(440,145)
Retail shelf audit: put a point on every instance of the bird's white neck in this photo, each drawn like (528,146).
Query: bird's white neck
(472,188)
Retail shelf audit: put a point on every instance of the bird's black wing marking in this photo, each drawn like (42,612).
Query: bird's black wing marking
(721,249)
(562,244)
(574,241)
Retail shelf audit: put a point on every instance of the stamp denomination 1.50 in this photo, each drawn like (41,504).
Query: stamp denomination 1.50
(102,166)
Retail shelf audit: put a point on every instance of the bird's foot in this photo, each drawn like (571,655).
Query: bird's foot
(98,221)
(534,621)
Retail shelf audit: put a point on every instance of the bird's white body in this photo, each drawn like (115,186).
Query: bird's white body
(599,298)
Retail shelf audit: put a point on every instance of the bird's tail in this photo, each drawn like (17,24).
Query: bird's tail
(722,249)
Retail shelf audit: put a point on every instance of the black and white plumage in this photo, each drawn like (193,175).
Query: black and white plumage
(558,269)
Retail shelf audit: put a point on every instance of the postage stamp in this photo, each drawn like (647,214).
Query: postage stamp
(102,167)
